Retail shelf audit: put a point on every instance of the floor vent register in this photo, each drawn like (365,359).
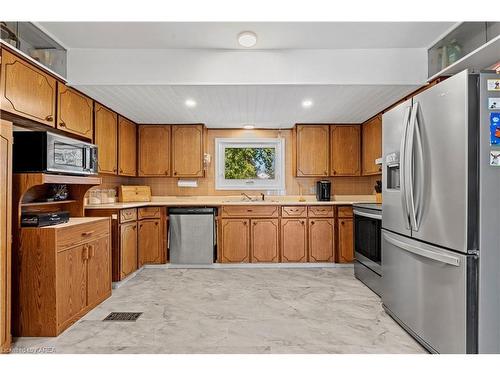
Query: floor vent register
(123,316)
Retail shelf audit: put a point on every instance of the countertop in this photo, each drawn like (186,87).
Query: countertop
(270,200)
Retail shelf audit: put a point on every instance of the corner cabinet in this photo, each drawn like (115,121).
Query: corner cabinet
(127,147)
(345,150)
(154,150)
(372,145)
(74,112)
(5,233)
(27,91)
(106,139)
(312,150)
(187,150)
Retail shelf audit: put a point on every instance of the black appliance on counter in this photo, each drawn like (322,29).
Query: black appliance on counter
(43,219)
(45,152)
(323,188)
(368,244)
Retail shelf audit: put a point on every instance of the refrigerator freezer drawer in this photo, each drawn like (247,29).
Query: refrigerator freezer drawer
(425,288)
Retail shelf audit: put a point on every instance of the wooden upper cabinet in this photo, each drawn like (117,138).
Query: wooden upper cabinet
(345,148)
(74,112)
(106,139)
(235,241)
(346,240)
(187,150)
(372,145)
(294,240)
(127,141)
(264,240)
(154,150)
(27,91)
(312,150)
(321,240)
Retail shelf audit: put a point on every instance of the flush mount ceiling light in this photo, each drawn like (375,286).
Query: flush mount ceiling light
(307,103)
(190,103)
(248,127)
(247,39)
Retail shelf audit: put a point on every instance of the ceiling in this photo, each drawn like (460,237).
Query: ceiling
(265,106)
(223,35)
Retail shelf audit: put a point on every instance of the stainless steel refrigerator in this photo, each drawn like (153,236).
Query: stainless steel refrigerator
(441,217)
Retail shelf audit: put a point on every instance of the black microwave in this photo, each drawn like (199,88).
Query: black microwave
(46,152)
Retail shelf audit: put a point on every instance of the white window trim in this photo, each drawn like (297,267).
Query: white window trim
(278,183)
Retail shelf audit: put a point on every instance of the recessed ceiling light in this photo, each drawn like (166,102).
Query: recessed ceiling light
(248,127)
(247,39)
(190,103)
(307,103)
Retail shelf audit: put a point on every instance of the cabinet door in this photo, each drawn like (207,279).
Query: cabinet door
(106,139)
(150,242)
(99,271)
(5,232)
(154,150)
(128,249)
(321,240)
(27,91)
(71,284)
(346,241)
(235,241)
(127,162)
(74,112)
(372,146)
(345,146)
(187,150)
(294,240)
(265,240)
(312,150)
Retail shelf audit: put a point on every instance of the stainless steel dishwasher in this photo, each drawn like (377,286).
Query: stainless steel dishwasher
(192,235)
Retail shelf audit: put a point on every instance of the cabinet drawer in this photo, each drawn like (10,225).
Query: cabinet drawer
(129,214)
(250,211)
(320,211)
(294,211)
(344,211)
(81,233)
(149,213)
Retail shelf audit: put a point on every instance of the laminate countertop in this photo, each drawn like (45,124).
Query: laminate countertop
(292,200)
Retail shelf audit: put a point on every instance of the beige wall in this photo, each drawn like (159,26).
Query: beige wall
(206,186)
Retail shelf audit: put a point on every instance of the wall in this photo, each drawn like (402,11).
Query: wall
(206,186)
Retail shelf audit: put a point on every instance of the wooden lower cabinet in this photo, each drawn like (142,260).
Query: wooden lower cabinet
(128,249)
(235,241)
(346,240)
(321,240)
(5,233)
(57,281)
(294,240)
(264,240)
(150,242)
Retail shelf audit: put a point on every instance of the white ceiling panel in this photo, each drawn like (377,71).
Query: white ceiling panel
(265,106)
(223,35)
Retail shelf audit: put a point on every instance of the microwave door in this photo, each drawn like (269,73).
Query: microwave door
(64,157)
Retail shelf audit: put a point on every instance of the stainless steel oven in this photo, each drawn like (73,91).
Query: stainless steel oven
(41,151)
(368,244)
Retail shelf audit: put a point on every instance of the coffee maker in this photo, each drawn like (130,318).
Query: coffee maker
(323,188)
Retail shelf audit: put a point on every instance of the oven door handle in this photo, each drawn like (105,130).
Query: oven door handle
(366,214)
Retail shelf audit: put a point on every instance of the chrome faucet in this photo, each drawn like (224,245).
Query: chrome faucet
(247,196)
(263,196)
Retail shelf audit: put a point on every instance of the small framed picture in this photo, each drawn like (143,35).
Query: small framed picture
(493,103)
(495,158)
(495,128)
(493,85)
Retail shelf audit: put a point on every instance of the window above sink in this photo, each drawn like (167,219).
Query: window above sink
(250,163)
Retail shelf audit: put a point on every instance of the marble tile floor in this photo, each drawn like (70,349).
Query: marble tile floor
(235,311)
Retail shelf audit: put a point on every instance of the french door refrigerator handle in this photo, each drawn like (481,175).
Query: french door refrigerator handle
(402,167)
(426,253)
(409,159)
(420,164)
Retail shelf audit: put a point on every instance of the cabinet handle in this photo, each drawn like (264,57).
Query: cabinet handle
(49,118)
(114,170)
(342,222)
(92,251)
(244,223)
(85,234)
(302,222)
(312,222)
(63,124)
(121,170)
(334,172)
(166,173)
(156,223)
(325,173)
(85,253)
(249,210)
(175,173)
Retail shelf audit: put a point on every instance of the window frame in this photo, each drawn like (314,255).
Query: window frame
(278,183)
